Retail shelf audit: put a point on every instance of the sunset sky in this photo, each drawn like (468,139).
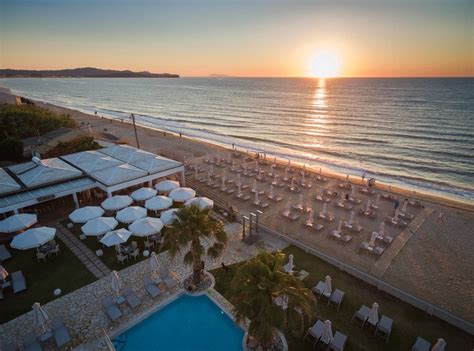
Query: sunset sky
(241,38)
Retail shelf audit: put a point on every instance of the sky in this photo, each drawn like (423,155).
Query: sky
(253,38)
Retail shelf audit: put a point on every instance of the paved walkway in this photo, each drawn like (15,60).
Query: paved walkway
(87,257)
(382,264)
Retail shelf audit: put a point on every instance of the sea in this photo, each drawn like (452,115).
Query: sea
(411,132)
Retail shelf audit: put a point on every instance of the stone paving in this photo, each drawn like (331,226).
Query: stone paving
(82,312)
(85,255)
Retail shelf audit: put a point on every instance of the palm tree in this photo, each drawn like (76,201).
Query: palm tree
(270,298)
(191,229)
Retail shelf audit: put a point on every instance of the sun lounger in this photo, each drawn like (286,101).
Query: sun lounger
(338,343)
(60,332)
(353,227)
(384,238)
(320,288)
(290,216)
(132,298)
(275,198)
(31,343)
(384,328)
(322,199)
(169,281)
(344,206)
(336,298)
(362,314)
(4,253)
(150,287)
(111,309)
(327,217)
(377,251)
(421,345)
(18,282)
(314,333)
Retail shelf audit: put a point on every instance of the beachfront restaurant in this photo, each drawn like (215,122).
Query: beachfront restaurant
(81,176)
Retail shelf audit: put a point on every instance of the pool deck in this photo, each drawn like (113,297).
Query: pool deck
(82,311)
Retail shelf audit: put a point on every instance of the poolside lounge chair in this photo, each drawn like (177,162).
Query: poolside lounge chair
(314,333)
(169,281)
(60,332)
(338,343)
(30,343)
(113,312)
(362,314)
(336,298)
(18,282)
(421,345)
(320,289)
(4,253)
(384,328)
(150,287)
(132,298)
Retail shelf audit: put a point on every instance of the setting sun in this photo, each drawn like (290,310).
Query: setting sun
(325,65)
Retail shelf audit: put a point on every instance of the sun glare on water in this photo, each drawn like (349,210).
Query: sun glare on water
(325,65)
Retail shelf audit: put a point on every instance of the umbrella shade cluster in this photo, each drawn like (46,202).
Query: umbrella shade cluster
(143,194)
(182,194)
(158,203)
(84,214)
(117,202)
(201,202)
(166,186)
(99,226)
(17,222)
(32,238)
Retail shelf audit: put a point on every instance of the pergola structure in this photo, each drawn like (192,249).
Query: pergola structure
(110,169)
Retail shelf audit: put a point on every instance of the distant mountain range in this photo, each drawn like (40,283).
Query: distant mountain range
(85,72)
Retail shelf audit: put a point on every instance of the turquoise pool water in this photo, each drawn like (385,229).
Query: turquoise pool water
(188,323)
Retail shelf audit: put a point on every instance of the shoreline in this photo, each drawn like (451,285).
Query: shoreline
(180,147)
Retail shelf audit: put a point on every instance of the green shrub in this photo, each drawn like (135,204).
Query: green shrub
(82,143)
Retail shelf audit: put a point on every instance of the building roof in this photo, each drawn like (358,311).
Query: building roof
(44,172)
(155,164)
(7,183)
(118,174)
(91,161)
(126,153)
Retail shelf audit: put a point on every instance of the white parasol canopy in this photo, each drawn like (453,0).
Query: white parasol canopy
(327,336)
(168,217)
(32,238)
(201,202)
(40,317)
(99,226)
(154,264)
(146,226)
(327,286)
(130,214)
(17,222)
(143,194)
(182,194)
(166,186)
(116,284)
(84,214)
(116,237)
(374,314)
(288,268)
(439,346)
(373,236)
(3,273)
(159,203)
(117,202)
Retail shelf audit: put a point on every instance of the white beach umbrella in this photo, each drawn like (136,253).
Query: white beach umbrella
(17,222)
(130,214)
(374,314)
(154,264)
(159,203)
(286,173)
(373,236)
(439,346)
(117,202)
(311,215)
(40,317)
(327,336)
(352,192)
(166,186)
(196,172)
(382,229)
(292,184)
(351,218)
(339,226)
(211,170)
(239,189)
(143,194)
(116,283)
(256,197)
(367,208)
(290,265)
(201,202)
(325,208)
(223,182)
(254,185)
(270,193)
(328,285)
(300,203)
(84,214)
(99,226)
(168,216)
(146,226)
(32,238)
(116,237)
(404,207)
(302,178)
(3,273)
(377,199)
(182,194)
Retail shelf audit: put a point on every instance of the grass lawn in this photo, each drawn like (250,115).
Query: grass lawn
(65,272)
(409,322)
(109,257)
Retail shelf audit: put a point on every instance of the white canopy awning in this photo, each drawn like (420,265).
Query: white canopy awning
(17,222)
(32,238)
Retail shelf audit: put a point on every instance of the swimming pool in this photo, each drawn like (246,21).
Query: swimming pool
(187,323)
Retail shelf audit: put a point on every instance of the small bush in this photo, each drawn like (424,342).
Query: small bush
(82,143)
